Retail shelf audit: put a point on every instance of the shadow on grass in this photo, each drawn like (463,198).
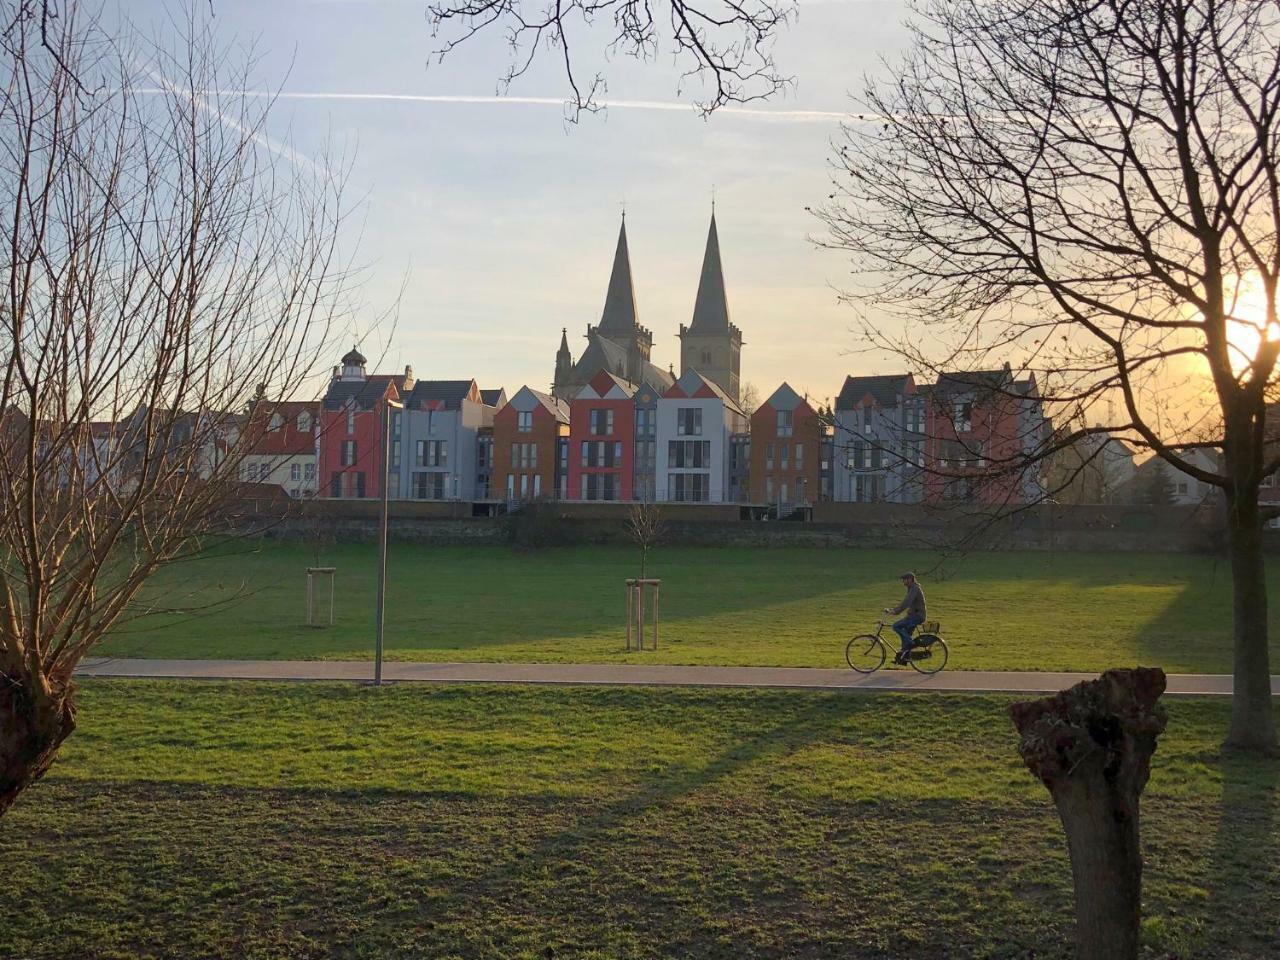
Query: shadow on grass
(1243,916)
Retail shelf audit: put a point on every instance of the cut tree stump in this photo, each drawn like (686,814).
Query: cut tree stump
(1092,746)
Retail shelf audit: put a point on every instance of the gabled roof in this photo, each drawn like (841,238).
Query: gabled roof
(884,390)
(365,392)
(693,385)
(494,398)
(601,354)
(606,386)
(974,381)
(527,399)
(449,393)
(784,398)
(711,308)
(619,316)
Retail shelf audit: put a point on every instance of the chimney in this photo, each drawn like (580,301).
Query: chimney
(337,372)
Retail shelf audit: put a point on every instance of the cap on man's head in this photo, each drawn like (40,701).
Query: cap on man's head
(907,574)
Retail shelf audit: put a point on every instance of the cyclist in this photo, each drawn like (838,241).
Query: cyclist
(913,604)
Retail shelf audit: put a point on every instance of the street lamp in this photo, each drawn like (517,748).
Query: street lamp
(387,405)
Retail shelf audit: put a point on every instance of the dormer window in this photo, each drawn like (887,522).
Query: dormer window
(304,422)
(276,422)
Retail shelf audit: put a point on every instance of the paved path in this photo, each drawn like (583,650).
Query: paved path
(955,681)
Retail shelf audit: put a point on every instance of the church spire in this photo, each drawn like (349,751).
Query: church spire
(711,308)
(619,316)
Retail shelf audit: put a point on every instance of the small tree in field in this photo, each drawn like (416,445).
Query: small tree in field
(1091,188)
(160,261)
(647,528)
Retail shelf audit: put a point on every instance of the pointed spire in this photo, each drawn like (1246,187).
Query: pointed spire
(711,309)
(619,316)
(564,343)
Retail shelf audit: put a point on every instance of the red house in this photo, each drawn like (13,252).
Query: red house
(602,432)
(979,428)
(529,441)
(351,428)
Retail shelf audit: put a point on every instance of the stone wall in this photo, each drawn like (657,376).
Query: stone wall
(906,526)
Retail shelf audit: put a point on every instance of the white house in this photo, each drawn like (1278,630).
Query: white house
(696,419)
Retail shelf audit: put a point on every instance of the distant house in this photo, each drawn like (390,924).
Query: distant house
(530,446)
(1095,469)
(282,440)
(878,440)
(787,437)
(1178,488)
(351,427)
(696,421)
(438,453)
(980,429)
(602,427)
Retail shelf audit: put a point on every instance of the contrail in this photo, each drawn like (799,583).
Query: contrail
(786,116)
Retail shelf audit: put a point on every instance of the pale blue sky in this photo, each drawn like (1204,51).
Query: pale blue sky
(500,219)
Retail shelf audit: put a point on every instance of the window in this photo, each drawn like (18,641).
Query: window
(914,416)
(511,486)
(1182,488)
(524,421)
(799,456)
(276,423)
(428,486)
(962,414)
(785,456)
(768,489)
(335,484)
(646,423)
(295,471)
(706,358)
(875,457)
(859,456)
(768,456)
(689,422)
(601,423)
(395,422)
(690,487)
(304,422)
(866,419)
(688,454)
(348,453)
(395,453)
(308,471)
(433,453)
(786,422)
(351,417)
(868,488)
(524,456)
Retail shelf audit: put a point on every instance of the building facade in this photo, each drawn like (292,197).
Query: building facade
(787,439)
(695,421)
(602,429)
(442,448)
(530,447)
(283,447)
(981,428)
(878,441)
(351,428)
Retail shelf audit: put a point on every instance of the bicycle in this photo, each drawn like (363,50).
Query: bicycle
(868,652)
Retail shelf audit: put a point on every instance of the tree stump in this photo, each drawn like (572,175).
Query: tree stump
(1092,746)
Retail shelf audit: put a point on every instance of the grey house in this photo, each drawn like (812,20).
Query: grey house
(436,441)
(878,443)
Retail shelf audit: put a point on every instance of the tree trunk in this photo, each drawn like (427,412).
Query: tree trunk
(1092,746)
(31,730)
(1253,724)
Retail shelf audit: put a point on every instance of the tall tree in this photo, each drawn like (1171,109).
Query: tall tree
(1091,186)
(162,257)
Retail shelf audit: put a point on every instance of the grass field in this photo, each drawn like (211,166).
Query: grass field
(1014,611)
(314,820)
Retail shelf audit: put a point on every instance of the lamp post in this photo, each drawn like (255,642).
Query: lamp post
(387,405)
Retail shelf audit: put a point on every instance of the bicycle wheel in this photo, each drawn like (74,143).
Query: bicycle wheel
(866,653)
(929,655)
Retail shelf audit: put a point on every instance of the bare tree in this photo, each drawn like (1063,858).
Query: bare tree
(726,43)
(647,527)
(162,257)
(1090,187)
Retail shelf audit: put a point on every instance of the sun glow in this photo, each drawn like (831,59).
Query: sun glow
(1249,321)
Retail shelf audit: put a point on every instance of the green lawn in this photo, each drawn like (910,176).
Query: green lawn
(1014,611)
(313,820)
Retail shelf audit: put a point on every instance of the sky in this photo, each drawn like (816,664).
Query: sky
(492,222)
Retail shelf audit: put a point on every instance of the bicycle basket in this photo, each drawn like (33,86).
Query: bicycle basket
(931,626)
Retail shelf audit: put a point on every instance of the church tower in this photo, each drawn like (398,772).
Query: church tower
(564,368)
(711,344)
(620,321)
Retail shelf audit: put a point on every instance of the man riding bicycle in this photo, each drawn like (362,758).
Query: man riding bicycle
(913,604)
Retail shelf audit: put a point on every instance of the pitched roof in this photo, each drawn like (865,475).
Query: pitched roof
(784,398)
(450,392)
(601,354)
(619,315)
(693,384)
(364,392)
(606,385)
(969,381)
(493,398)
(526,398)
(885,390)
(711,308)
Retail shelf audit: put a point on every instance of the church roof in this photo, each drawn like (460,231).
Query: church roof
(619,315)
(711,308)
